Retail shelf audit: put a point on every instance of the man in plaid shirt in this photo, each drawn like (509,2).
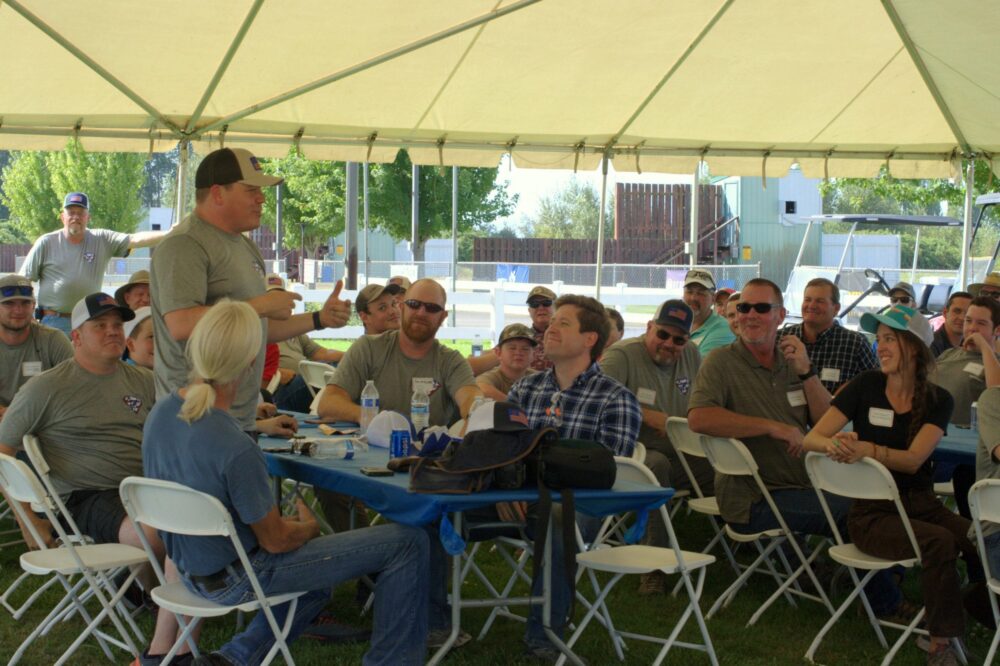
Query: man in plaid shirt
(836,353)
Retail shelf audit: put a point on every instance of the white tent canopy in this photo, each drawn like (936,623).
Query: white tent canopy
(749,85)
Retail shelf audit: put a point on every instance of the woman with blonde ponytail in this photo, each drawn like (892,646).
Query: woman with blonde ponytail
(191,438)
(899,417)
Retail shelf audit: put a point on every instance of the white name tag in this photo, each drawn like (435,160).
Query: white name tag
(426,383)
(796,398)
(646,396)
(880,417)
(973,368)
(31,368)
(830,375)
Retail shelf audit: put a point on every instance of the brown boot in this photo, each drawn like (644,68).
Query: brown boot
(652,583)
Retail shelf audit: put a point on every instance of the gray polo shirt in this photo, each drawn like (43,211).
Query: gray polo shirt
(66,272)
(960,373)
(199,264)
(44,349)
(733,379)
(443,371)
(89,426)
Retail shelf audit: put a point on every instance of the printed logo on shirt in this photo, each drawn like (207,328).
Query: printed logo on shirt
(259,270)
(428,384)
(517,416)
(134,403)
(88,257)
(683,384)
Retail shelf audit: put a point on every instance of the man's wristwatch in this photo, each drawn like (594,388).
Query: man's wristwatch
(810,373)
(318,325)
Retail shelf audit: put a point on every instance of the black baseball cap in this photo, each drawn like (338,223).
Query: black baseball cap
(232,165)
(94,305)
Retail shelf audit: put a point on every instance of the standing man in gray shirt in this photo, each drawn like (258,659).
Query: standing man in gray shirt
(659,368)
(27,348)
(69,263)
(208,258)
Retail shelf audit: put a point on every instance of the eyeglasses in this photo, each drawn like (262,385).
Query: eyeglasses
(17,290)
(990,293)
(543,303)
(431,308)
(679,340)
(760,308)
(901,300)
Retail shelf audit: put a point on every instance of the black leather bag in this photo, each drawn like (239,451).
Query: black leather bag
(576,463)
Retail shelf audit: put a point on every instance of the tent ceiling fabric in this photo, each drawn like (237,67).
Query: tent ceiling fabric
(842,87)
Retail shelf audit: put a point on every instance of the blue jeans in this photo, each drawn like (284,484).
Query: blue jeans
(992,543)
(440,611)
(57,322)
(294,396)
(398,554)
(803,514)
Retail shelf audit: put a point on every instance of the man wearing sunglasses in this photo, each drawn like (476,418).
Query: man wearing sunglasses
(990,287)
(540,300)
(659,368)
(69,263)
(838,354)
(27,348)
(708,330)
(902,293)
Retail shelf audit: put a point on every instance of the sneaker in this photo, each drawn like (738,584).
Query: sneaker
(145,659)
(438,637)
(652,583)
(945,656)
(327,628)
(902,614)
(212,659)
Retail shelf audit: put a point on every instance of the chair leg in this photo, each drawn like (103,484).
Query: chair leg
(19,612)
(788,583)
(517,573)
(858,588)
(108,609)
(730,593)
(903,638)
(591,612)
(280,635)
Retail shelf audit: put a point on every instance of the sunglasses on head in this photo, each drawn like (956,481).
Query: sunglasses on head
(431,308)
(760,308)
(540,303)
(679,340)
(900,300)
(17,290)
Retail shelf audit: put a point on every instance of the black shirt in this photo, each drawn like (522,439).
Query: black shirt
(866,392)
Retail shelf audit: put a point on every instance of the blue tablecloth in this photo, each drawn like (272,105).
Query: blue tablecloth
(958,446)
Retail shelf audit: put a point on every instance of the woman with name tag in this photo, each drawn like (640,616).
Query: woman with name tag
(898,418)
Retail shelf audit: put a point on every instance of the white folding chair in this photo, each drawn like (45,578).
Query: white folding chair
(639,559)
(869,480)
(639,452)
(984,503)
(730,456)
(172,507)
(97,564)
(314,374)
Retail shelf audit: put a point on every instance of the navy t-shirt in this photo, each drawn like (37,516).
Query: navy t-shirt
(212,455)
(867,391)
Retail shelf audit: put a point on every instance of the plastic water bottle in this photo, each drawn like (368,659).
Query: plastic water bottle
(477,346)
(342,449)
(369,405)
(420,409)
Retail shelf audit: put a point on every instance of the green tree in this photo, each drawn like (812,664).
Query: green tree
(35,182)
(572,212)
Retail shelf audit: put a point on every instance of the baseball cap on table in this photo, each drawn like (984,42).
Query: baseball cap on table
(373,292)
(95,305)
(515,332)
(676,313)
(700,276)
(500,416)
(77,199)
(900,318)
(139,277)
(541,292)
(380,429)
(232,165)
(141,315)
(275,281)
(904,286)
(16,287)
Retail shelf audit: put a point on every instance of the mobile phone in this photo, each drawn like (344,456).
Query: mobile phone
(377,471)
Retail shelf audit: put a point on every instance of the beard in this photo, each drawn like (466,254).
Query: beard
(419,331)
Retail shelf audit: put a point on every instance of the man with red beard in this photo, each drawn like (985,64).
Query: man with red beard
(399,361)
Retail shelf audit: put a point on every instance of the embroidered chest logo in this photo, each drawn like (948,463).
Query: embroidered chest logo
(683,384)
(435,386)
(88,257)
(133,403)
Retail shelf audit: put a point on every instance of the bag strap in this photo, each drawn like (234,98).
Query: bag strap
(570,550)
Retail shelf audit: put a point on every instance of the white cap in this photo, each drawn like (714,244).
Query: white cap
(381,427)
(141,315)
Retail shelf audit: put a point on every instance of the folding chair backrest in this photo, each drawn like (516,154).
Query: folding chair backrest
(172,507)
(984,501)
(314,374)
(683,438)
(632,470)
(639,452)
(34,450)
(19,482)
(729,456)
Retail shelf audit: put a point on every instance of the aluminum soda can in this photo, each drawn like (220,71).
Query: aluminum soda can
(399,443)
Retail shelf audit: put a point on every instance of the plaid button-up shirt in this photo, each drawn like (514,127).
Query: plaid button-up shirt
(596,407)
(837,348)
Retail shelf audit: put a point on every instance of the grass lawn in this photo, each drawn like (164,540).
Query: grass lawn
(780,637)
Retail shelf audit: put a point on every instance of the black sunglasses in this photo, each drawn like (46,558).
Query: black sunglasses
(679,340)
(17,290)
(431,308)
(542,303)
(990,294)
(760,308)
(900,300)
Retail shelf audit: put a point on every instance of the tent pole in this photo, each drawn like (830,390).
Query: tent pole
(600,225)
(368,254)
(454,238)
(693,240)
(964,273)
(415,214)
(182,168)
(351,225)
